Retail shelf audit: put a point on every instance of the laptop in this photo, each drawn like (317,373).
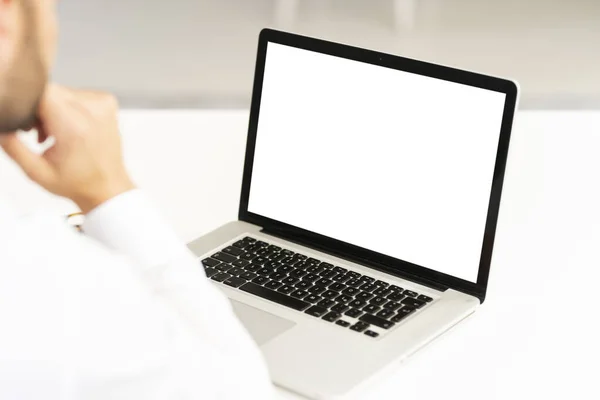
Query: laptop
(370,196)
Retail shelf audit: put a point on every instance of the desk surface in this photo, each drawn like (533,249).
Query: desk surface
(537,334)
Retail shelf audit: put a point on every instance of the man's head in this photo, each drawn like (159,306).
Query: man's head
(27,49)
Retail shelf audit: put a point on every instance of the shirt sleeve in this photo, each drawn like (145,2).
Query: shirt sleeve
(131,225)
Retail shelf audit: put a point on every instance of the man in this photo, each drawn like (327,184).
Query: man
(122,311)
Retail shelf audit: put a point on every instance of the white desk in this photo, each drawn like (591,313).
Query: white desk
(536,337)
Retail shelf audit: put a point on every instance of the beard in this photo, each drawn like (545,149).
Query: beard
(25,81)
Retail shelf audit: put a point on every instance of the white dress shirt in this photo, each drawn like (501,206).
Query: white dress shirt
(123,311)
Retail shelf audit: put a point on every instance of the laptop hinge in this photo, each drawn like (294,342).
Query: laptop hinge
(351,258)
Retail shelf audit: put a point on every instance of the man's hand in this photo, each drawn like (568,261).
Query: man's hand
(85,164)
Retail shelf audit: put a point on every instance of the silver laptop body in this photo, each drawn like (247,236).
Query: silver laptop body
(368,210)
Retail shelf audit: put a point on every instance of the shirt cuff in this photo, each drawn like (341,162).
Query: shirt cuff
(131,225)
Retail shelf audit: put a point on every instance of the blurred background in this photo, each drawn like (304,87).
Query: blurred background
(200,53)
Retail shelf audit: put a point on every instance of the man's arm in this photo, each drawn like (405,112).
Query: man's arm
(85,165)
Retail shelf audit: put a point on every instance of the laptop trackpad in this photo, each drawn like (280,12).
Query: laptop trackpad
(262,325)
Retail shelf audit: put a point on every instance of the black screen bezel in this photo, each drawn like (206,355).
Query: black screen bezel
(355,253)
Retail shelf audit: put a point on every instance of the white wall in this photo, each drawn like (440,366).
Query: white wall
(201,52)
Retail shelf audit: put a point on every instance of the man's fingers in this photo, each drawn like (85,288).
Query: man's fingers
(41,133)
(34,165)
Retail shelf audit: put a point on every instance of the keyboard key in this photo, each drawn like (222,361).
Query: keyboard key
(300,257)
(301,265)
(373,320)
(407,310)
(253,267)
(371,334)
(338,287)
(277,275)
(286,289)
(272,265)
(371,309)
(357,303)
(381,284)
(303,285)
(210,272)
(413,302)
(350,291)
(268,294)
(240,244)
(313,298)
(286,260)
(313,261)
(249,239)
(330,294)
(359,326)
(210,262)
(273,285)
(324,282)
(367,279)
(310,277)
(252,249)
(288,253)
(353,312)
(224,257)
(340,270)
(342,323)
(368,287)
(340,307)
(234,251)
(395,288)
(341,278)
(392,306)
(316,311)
(326,265)
(248,275)
(315,269)
(424,298)
(285,269)
(403,313)
(263,252)
(220,277)
(260,243)
(260,280)
(274,248)
(382,291)
(332,316)
(271,254)
(395,296)
(364,296)
(353,274)
(343,298)
(247,256)
(234,281)
(236,271)
(385,314)
(290,280)
(328,274)
(317,289)
(298,273)
(410,293)
(299,294)
(378,301)
(224,267)
(355,283)
(264,271)
(260,260)
(326,303)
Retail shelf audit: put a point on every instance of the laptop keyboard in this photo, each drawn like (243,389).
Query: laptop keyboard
(334,294)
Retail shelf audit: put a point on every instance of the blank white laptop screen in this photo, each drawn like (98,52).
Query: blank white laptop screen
(390,161)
